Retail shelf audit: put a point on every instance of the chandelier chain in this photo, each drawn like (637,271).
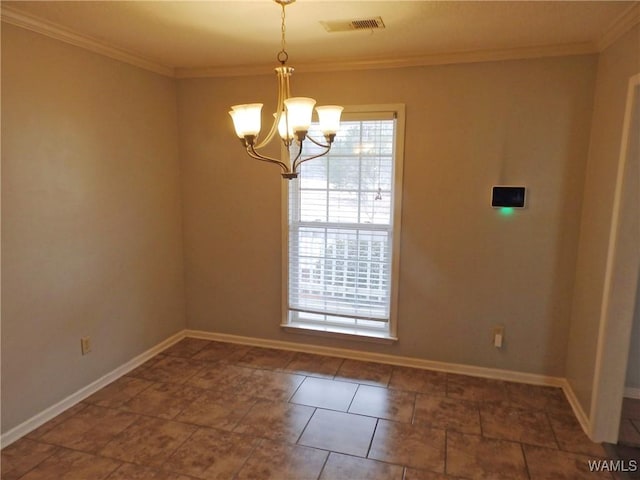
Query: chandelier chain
(283,56)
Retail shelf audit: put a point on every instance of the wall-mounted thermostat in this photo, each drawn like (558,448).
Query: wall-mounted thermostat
(507,196)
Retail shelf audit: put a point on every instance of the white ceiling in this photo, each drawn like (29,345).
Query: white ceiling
(190,36)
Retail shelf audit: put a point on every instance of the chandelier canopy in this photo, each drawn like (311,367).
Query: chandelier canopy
(292,118)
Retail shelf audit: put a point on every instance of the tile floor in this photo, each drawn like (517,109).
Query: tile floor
(630,422)
(211,410)
(628,447)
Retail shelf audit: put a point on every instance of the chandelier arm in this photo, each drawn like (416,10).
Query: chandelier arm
(323,145)
(286,88)
(251,151)
(299,161)
(271,133)
(276,120)
(294,163)
(284,91)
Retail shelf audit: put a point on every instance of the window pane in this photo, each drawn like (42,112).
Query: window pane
(315,205)
(315,174)
(340,229)
(344,173)
(334,270)
(343,207)
(375,207)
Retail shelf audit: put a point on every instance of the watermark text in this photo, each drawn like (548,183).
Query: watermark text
(628,466)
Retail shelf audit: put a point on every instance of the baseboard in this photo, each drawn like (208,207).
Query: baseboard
(630,392)
(579,412)
(484,372)
(493,373)
(37,420)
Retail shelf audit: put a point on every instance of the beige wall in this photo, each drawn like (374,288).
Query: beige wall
(91,222)
(615,66)
(464,268)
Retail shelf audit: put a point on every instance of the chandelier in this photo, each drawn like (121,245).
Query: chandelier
(292,118)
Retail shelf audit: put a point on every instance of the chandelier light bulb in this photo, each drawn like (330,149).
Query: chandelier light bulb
(246,119)
(329,118)
(284,127)
(299,112)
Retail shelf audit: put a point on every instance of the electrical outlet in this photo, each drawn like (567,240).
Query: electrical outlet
(85,345)
(498,336)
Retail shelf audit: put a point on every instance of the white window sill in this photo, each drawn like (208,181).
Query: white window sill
(344,333)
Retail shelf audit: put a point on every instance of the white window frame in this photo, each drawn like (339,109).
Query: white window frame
(390,334)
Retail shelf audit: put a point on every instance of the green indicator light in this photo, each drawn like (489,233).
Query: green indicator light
(506,211)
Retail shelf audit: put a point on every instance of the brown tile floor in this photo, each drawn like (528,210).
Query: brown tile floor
(630,422)
(628,447)
(211,410)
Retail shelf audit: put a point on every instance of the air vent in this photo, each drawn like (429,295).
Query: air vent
(374,23)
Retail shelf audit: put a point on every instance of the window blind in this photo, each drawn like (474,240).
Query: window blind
(340,225)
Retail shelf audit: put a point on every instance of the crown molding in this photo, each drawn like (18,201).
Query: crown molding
(582,48)
(232,71)
(621,25)
(627,20)
(15,17)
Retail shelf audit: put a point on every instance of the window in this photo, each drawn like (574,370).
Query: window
(343,229)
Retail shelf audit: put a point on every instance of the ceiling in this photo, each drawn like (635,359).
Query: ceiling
(193,38)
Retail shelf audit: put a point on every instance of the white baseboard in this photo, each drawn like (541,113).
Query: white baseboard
(34,422)
(580,414)
(493,373)
(630,392)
